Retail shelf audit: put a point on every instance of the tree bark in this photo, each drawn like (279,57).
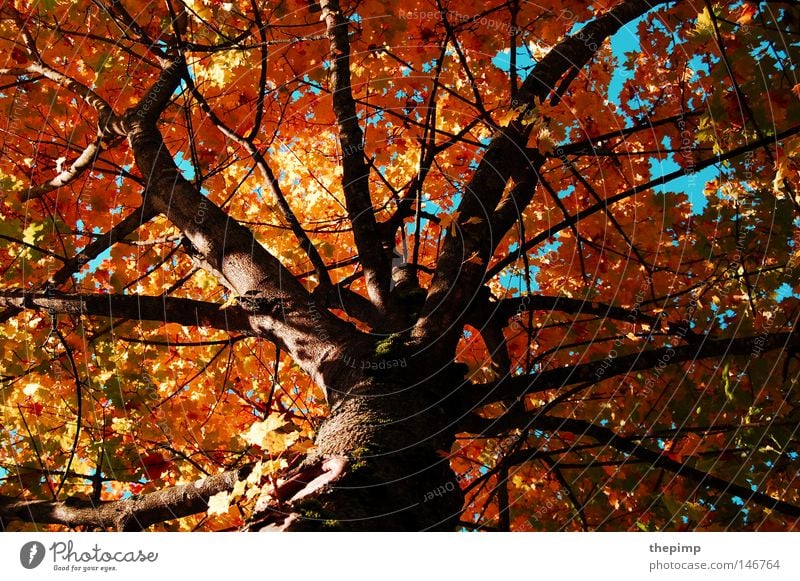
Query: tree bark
(381,458)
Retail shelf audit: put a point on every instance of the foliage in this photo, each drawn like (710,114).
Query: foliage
(102,401)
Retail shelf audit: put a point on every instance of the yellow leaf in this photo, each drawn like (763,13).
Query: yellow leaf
(122,425)
(544,141)
(238,489)
(265,435)
(256,473)
(31,389)
(704,26)
(219,503)
(31,233)
(230,302)
(511,114)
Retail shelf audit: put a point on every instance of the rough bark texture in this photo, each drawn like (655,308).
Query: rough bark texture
(389,442)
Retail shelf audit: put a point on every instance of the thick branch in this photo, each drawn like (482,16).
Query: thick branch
(83,162)
(185,312)
(515,387)
(272,181)
(465,256)
(374,257)
(657,460)
(109,128)
(131,222)
(286,311)
(132,514)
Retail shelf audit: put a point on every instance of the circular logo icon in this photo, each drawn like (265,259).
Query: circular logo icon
(31,554)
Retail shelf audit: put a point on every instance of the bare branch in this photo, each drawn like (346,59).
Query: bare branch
(498,267)
(656,460)
(109,128)
(132,514)
(185,312)
(375,259)
(519,386)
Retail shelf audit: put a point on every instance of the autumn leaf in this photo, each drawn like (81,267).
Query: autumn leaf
(219,503)
(269,435)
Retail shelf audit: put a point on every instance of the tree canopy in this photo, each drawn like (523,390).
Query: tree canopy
(496,265)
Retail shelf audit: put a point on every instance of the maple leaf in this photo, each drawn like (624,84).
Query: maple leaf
(219,503)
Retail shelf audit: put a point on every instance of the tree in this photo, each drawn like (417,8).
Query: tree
(434,265)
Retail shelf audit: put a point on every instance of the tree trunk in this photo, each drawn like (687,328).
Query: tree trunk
(381,460)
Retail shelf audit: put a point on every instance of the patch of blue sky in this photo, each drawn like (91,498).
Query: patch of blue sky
(511,279)
(119,180)
(566,192)
(627,40)
(185,166)
(693,185)
(785,291)
(313,87)
(517,280)
(93,264)
(183,86)
(502,60)
(721,318)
